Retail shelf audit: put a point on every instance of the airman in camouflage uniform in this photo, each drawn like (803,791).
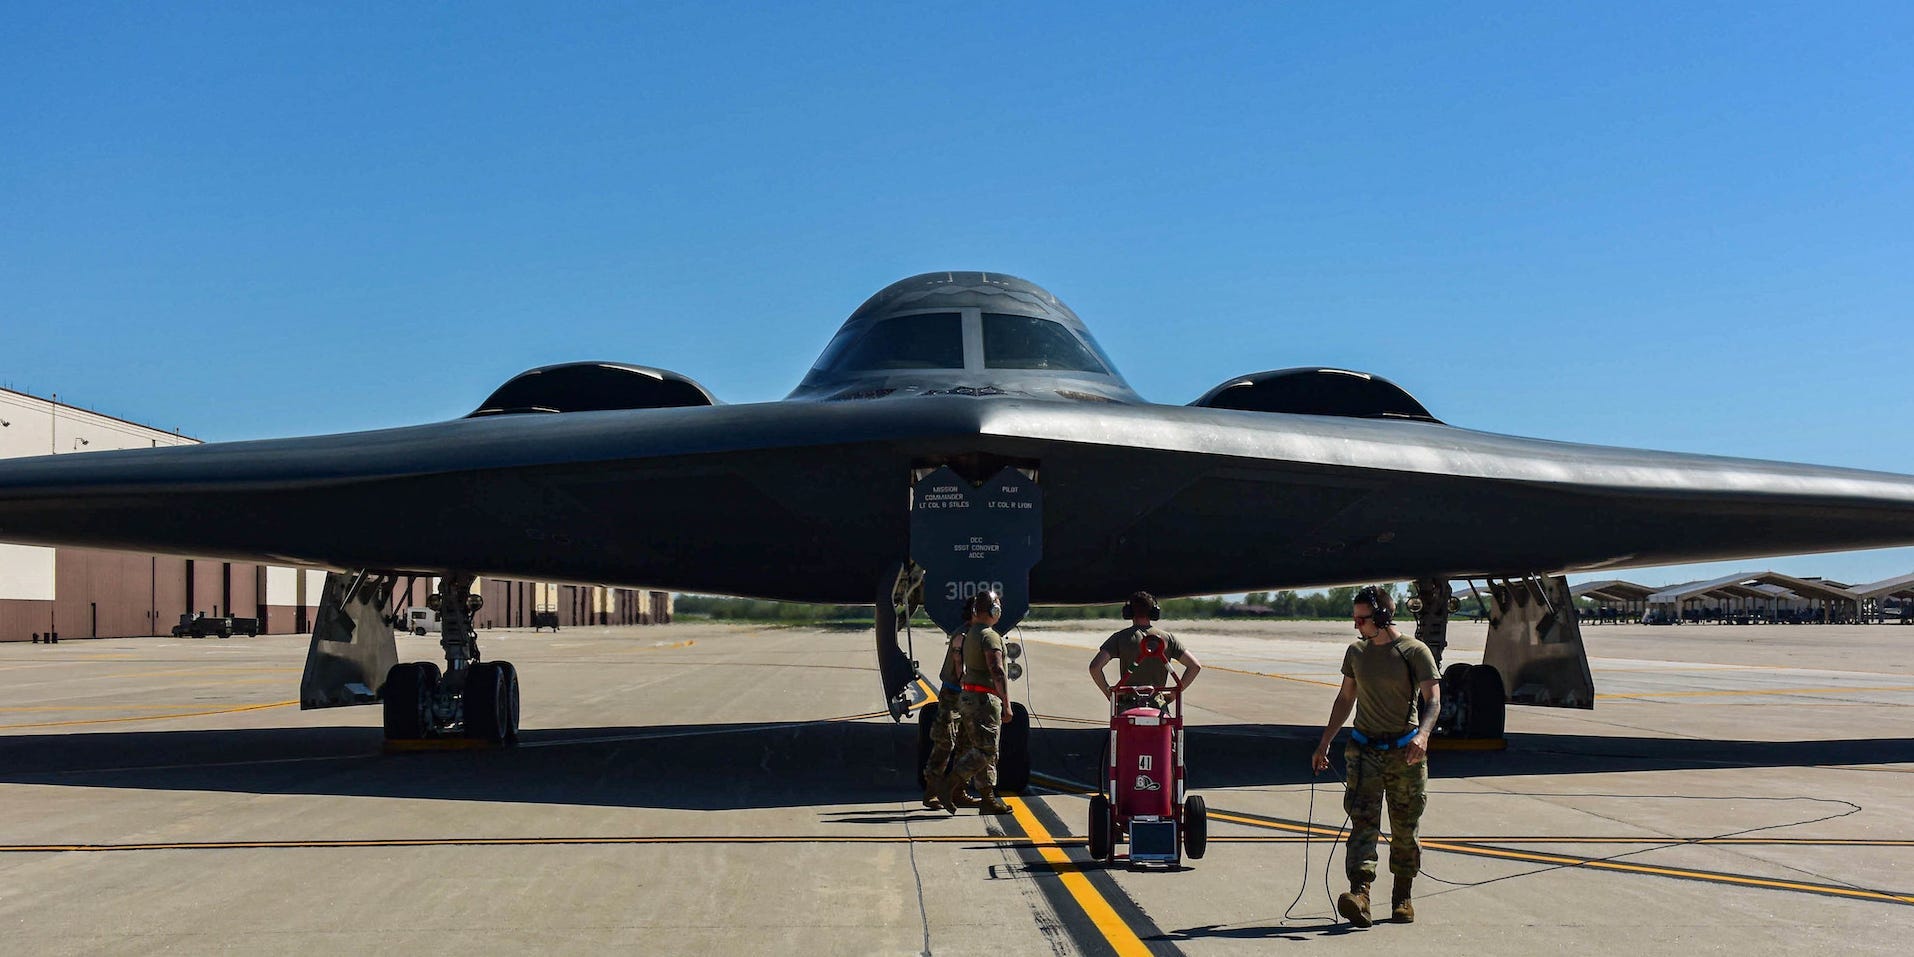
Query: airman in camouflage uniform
(981,704)
(1383,674)
(946,724)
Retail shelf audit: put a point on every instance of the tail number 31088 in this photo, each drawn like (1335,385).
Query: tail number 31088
(957,591)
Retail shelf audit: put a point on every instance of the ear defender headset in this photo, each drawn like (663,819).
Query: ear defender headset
(1142,603)
(987,603)
(1383,609)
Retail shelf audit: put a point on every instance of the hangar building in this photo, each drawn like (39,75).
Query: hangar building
(87,593)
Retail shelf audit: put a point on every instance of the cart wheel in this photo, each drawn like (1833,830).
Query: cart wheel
(1013,752)
(419,631)
(1102,847)
(1196,827)
(1488,702)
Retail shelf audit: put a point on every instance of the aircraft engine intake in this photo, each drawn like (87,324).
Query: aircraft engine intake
(593,387)
(1313,391)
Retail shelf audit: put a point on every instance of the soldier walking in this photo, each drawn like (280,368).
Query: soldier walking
(1383,673)
(983,703)
(948,724)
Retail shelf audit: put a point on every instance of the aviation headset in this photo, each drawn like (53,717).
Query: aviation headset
(1379,602)
(1142,602)
(987,602)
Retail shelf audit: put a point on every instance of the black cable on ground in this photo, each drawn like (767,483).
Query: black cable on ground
(1852,808)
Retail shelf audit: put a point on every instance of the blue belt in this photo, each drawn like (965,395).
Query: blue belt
(1363,740)
(948,689)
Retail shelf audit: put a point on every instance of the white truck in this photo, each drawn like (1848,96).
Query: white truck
(420,621)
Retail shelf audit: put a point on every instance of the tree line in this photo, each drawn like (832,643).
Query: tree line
(1332,603)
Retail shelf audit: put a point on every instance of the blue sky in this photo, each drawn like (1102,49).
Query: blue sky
(1679,228)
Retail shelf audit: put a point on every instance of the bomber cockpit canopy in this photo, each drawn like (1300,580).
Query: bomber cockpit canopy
(980,332)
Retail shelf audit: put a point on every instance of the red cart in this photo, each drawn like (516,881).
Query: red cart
(1142,800)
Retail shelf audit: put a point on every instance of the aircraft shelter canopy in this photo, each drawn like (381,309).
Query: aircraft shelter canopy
(1749,585)
(1612,590)
(1898,587)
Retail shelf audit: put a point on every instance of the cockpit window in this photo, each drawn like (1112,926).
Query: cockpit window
(929,341)
(1023,342)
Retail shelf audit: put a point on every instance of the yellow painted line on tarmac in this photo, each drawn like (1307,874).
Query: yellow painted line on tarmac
(96,707)
(1270,674)
(150,717)
(1534,857)
(1751,692)
(213,672)
(1714,877)
(1314,830)
(537,842)
(1119,935)
(688,642)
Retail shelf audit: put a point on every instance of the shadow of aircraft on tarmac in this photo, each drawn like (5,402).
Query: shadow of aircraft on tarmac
(736,766)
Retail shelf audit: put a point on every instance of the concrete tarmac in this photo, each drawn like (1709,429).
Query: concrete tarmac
(714,789)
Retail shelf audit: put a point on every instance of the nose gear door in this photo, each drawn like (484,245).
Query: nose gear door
(971,538)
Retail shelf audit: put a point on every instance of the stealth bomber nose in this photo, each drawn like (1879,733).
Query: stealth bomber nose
(964,333)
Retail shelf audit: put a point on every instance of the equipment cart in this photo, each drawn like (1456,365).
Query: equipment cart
(1142,800)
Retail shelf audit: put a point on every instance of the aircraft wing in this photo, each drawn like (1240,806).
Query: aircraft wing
(808,500)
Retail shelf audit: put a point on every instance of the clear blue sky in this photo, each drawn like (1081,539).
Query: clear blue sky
(1668,226)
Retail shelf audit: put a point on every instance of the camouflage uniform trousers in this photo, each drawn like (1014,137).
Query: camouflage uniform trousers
(977,743)
(1373,776)
(945,727)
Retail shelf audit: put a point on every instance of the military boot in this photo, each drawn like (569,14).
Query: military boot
(948,786)
(1353,905)
(991,804)
(1400,910)
(932,799)
(962,796)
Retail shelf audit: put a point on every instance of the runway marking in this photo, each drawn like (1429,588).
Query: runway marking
(1267,674)
(1007,841)
(1535,857)
(95,707)
(1469,847)
(1119,935)
(671,647)
(539,841)
(150,717)
(1748,692)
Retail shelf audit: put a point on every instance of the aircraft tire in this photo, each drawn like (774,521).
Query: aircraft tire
(508,693)
(407,698)
(1013,752)
(1455,699)
(1102,830)
(419,631)
(1488,702)
(1196,827)
(483,703)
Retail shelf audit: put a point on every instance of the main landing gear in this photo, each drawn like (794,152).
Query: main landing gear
(471,698)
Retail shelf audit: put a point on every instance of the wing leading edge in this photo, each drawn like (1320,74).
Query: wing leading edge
(806,500)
